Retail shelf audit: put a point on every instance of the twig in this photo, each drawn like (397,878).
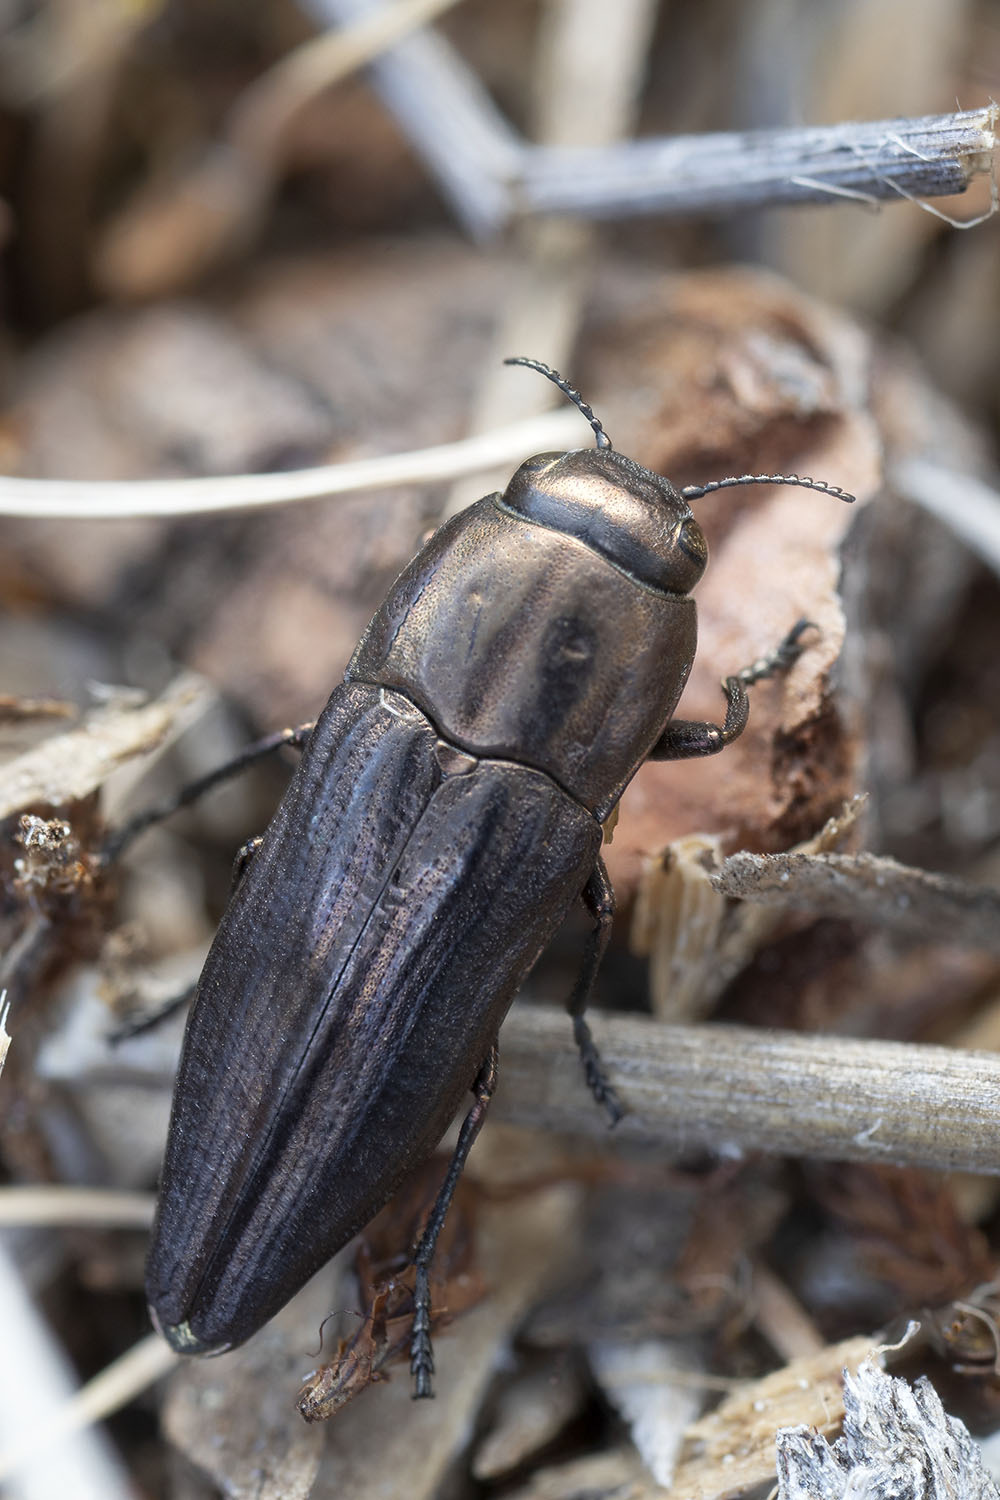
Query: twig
(870,888)
(730,1088)
(69,499)
(446,114)
(932,156)
(52,1205)
(962,502)
(490,174)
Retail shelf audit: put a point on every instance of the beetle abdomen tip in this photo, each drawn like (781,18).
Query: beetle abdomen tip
(183,1340)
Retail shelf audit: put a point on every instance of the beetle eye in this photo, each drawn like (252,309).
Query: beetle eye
(691,540)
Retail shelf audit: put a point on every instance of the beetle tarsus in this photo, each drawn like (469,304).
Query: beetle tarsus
(593,1071)
(785,654)
(684,739)
(421,1351)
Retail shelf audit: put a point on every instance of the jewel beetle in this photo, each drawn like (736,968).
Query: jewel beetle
(447,811)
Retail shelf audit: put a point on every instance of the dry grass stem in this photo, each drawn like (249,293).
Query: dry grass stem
(54,1205)
(79,500)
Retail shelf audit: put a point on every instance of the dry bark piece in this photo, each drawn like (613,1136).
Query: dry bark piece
(869,888)
(532,1409)
(898,1441)
(733,1448)
(695,938)
(613,1474)
(69,767)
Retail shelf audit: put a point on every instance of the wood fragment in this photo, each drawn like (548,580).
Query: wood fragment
(898,1442)
(695,938)
(739,1089)
(932,156)
(733,1449)
(869,888)
(70,766)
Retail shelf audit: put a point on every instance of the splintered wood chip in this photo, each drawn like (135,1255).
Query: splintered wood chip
(898,1444)
(695,937)
(732,1450)
(70,766)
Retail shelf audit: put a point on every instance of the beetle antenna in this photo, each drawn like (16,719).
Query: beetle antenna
(603,441)
(695,491)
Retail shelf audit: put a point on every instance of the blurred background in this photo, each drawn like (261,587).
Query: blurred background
(246,239)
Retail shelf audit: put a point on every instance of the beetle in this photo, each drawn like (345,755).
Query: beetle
(447,811)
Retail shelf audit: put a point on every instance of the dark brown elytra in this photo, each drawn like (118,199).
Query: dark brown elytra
(446,813)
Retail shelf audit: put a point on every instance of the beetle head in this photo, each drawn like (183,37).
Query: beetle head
(633,517)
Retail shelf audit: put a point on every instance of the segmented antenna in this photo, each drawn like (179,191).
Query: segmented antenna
(603,441)
(695,491)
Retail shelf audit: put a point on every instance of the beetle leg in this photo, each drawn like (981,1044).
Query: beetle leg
(129,1029)
(244,855)
(122,837)
(685,738)
(598,897)
(421,1354)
